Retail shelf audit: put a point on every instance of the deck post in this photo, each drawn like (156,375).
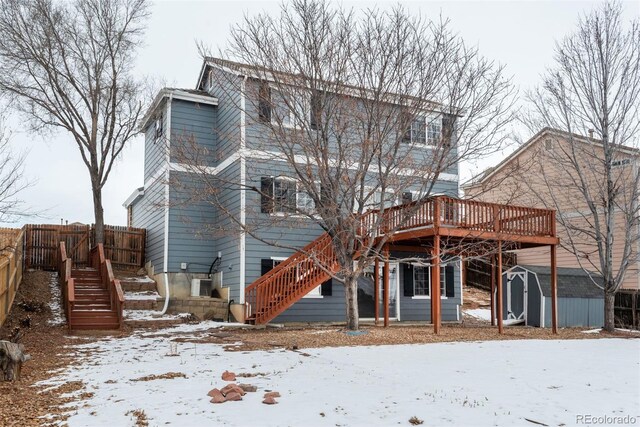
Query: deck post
(435,286)
(386,287)
(499,284)
(376,290)
(554,291)
(493,290)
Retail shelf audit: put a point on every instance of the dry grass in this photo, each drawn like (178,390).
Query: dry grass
(167,376)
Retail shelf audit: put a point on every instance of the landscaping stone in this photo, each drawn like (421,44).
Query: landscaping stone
(232,396)
(232,388)
(271,394)
(269,401)
(248,388)
(228,376)
(216,396)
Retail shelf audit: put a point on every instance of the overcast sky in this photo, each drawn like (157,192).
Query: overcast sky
(519,34)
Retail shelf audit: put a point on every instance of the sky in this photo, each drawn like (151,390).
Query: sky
(519,34)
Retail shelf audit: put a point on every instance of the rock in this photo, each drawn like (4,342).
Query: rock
(216,396)
(228,376)
(232,388)
(214,392)
(269,401)
(248,388)
(232,395)
(271,394)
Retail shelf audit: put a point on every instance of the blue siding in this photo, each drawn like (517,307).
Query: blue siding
(191,225)
(576,312)
(226,87)
(193,125)
(148,211)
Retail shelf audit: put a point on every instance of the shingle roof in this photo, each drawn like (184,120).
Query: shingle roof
(572,282)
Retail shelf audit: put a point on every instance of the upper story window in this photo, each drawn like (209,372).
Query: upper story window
(159,130)
(621,162)
(284,195)
(424,130)
(274,108)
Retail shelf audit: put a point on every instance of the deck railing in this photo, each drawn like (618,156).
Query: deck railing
(67,283)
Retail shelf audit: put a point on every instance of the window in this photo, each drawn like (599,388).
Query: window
(159,127)
(434,131)
(622,162)
(325,289)
(424,131)
(422,280)
(284,195)
(407,197)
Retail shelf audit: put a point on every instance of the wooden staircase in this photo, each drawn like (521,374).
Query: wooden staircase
(289,281)
(92,297)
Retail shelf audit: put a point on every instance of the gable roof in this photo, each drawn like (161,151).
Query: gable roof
(572,282)
(262,72)
(547,131)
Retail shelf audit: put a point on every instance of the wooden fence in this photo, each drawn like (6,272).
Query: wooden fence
(125,246)
(10,269)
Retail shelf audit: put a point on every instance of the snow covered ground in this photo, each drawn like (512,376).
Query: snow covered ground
(479,313)
(468,383)
(55,303)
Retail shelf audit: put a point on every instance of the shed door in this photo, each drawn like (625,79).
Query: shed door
(516,295)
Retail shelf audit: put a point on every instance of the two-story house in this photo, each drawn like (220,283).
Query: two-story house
(182,250)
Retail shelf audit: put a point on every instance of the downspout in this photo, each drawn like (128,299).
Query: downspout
(166,210)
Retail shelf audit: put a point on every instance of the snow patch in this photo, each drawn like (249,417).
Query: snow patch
(479,313)
(55,303)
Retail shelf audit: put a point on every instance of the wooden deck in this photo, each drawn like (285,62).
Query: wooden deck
(463,227)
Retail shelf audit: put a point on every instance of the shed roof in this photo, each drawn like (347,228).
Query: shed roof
(572,282)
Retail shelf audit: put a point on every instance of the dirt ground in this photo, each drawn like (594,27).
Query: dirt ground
(23,403)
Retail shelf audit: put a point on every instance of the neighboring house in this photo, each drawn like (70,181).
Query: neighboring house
(530,174)
(182,249)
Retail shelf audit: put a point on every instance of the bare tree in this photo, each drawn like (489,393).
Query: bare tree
(365,110)
(12,180)
(593,182)
(68,66)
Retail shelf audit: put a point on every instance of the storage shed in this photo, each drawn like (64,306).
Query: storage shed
(527,297)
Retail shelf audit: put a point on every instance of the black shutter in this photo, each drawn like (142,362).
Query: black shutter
(447,129)
(266,198)
(449,281)
(407,197)
(407,279)
(266,265)
(315,119)
(326,288)
(264,103)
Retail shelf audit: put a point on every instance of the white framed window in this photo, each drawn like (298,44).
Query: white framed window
(424,130)
(274,108)
(284,195)
(159,127)
(422,281)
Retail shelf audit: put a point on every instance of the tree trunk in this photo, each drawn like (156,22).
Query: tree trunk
(12,356)
(609,315)
(98,213)
(351,291)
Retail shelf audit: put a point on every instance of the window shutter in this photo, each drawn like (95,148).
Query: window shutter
(266,198)
(326,289)
(315,118)
(447,128)
(407,197)
(266,265)
(449,281)
(264,103)
(407,279)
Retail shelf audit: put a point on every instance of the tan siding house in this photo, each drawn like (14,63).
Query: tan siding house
(532,176)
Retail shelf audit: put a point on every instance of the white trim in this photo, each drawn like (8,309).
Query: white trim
(166,190)
(243,195)
(244,153)
(137,193)
(421,297)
